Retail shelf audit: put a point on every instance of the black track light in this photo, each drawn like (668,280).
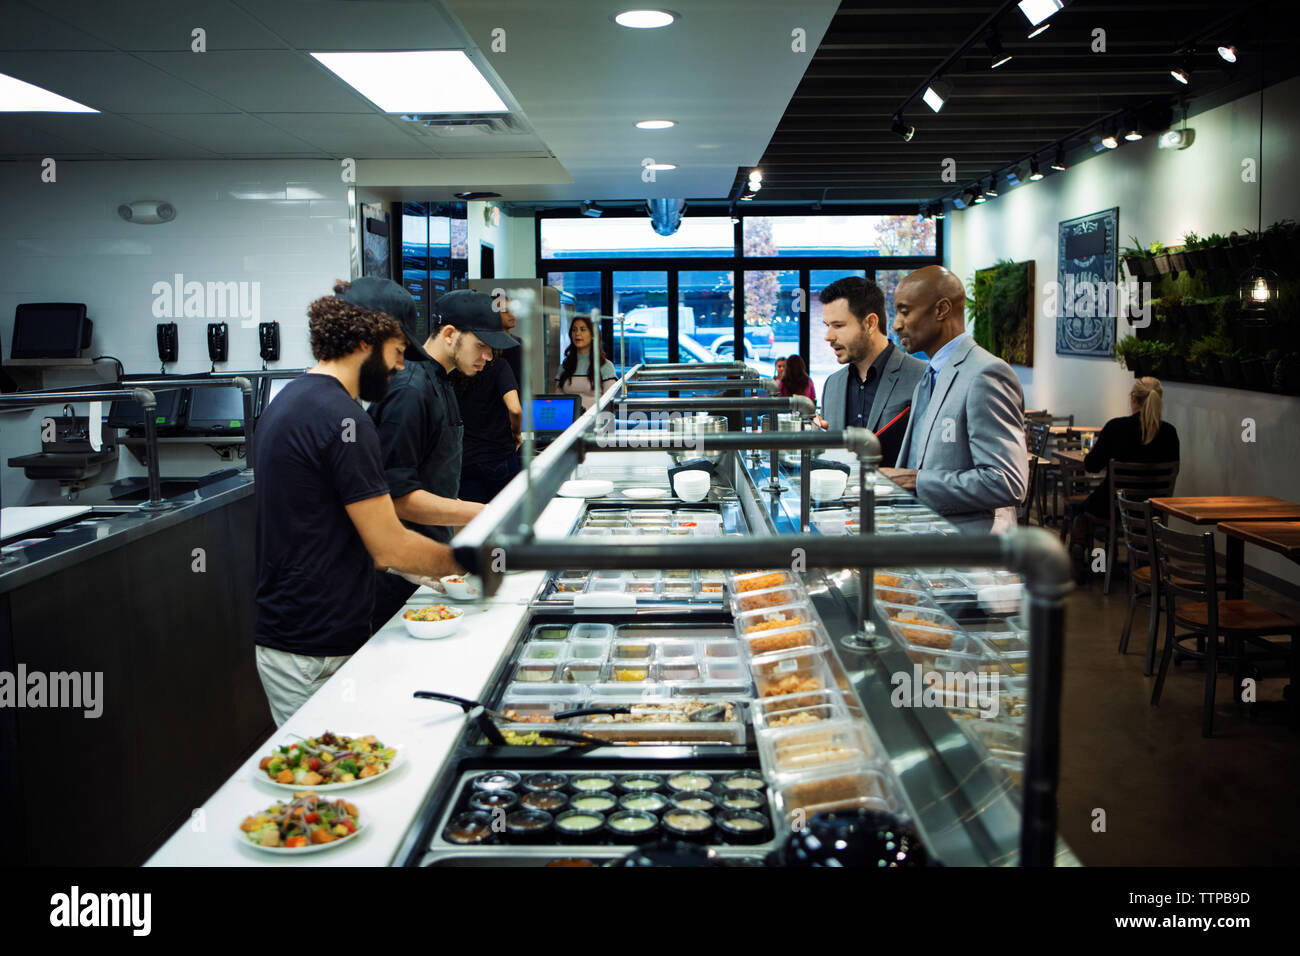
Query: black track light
(1058,163)
(1034,172)
(938,210)
(1228,53)
(979,194)
(900,128)
(1182,71)
(992,191)
(997,56)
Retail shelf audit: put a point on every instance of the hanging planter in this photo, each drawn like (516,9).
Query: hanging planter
(1215,257)
(1178,261)
(1162,263)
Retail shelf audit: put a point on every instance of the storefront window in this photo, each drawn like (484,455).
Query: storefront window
(826,236)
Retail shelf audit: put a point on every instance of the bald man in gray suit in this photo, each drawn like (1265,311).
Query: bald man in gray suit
(964,450)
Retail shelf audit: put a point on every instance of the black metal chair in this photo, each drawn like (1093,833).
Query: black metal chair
(1188,581)
(1037,437)
(1143,581)
(1143,480)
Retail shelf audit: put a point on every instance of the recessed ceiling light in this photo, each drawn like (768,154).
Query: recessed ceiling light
(416,81)
(1036,11)
(644,19)
(17,96)
(655,124)
(661,166)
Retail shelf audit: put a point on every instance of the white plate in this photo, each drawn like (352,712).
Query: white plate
(324,788)
(310,847)
(643,494)
(585,488)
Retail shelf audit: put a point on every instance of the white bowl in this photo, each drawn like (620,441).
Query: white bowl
(467,588)
(691,485)
(432,630)
(585,488)
(828,483)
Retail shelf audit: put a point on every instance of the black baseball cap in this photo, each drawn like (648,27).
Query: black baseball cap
(385,295)
(470,311)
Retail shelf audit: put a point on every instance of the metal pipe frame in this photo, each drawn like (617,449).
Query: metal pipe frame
(148,402)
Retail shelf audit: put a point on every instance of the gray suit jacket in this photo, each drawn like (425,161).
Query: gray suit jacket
(972,465)
(893,394)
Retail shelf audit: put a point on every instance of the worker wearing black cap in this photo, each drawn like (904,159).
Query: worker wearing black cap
(420,427)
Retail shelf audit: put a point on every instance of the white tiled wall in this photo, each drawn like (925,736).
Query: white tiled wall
(281,224)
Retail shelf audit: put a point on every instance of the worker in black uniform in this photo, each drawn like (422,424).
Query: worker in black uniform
(420,427)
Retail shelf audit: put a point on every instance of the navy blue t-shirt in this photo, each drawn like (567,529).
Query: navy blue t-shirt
(317,451)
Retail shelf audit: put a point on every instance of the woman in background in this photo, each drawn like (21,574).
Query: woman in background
(1142,436)
(795,381)
(575,377)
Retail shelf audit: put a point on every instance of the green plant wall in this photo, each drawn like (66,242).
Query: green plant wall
(1000,306)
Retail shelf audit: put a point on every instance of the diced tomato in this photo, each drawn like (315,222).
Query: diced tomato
(296,841)
(352,827)
(313,817)
(313,763)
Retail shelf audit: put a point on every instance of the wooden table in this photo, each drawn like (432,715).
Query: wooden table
(1070,456)
(1230,509)
(1280,536)
(1080,429)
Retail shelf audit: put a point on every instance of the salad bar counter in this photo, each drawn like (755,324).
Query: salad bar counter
(646,697)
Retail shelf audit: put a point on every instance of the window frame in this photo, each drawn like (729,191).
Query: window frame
(737,264)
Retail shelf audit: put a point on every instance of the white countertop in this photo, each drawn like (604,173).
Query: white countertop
(20,520)
(371,694)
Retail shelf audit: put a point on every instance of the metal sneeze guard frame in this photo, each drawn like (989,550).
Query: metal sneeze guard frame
(501,538)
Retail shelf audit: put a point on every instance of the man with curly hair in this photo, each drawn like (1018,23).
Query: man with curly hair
(421,430)
(325,519)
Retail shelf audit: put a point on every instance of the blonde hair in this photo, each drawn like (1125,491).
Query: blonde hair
(1149,396)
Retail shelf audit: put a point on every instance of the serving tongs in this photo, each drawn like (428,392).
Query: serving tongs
(486,718)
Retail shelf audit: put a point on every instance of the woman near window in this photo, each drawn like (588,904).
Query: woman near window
(795,381)
(575,377)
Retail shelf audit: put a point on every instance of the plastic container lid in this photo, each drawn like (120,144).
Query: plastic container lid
(689,780)
(593,802)
(496,780)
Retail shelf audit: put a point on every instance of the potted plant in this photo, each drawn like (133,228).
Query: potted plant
(1203,357)
(1194,252)
(1160,259)
(1212,249)
(1240,250)
(1136,261)
(1127,352)
(1178,259)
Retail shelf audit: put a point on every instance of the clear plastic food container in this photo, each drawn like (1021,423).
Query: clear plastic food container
(731,672)
(588,651)
(800,749)
(591,631)
(766,597)
(722,649)
(581,672)
(1002,738)
(535,673)
(630,672)
(672,649)
(549,632)
(776,635)
(543,651)
(679,672)
(538,691)
(759,580)
(791,672)
(849,788)
(633,651)
(813,707)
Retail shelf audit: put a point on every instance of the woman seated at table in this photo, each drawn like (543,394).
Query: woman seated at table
(575,377)
(795,380)
(1140,437)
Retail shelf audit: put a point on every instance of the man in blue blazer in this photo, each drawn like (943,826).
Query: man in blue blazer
(874,388)
(964,450)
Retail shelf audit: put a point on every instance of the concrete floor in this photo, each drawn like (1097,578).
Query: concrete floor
(1170,796)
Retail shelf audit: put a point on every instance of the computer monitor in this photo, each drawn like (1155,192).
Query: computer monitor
(218,409)
(272,385)
(125,413)
(45,330)
(552,414)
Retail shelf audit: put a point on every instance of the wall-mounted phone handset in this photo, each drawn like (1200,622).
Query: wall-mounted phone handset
(168,343)
(218,342)
(268,340)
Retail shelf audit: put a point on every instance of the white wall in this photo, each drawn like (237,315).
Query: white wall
(281,224)
(1161,194)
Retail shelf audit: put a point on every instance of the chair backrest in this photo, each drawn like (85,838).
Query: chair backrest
(1143,479)
(1061,420)
(1135,520)
(1186,564)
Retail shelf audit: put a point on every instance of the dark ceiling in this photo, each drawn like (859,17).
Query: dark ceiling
(834,142)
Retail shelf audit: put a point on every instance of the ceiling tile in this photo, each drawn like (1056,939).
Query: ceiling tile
(271,82)
(110,82)
(227,134)
(164,24)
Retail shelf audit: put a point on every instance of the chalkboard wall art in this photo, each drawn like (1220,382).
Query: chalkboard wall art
(1087,255)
